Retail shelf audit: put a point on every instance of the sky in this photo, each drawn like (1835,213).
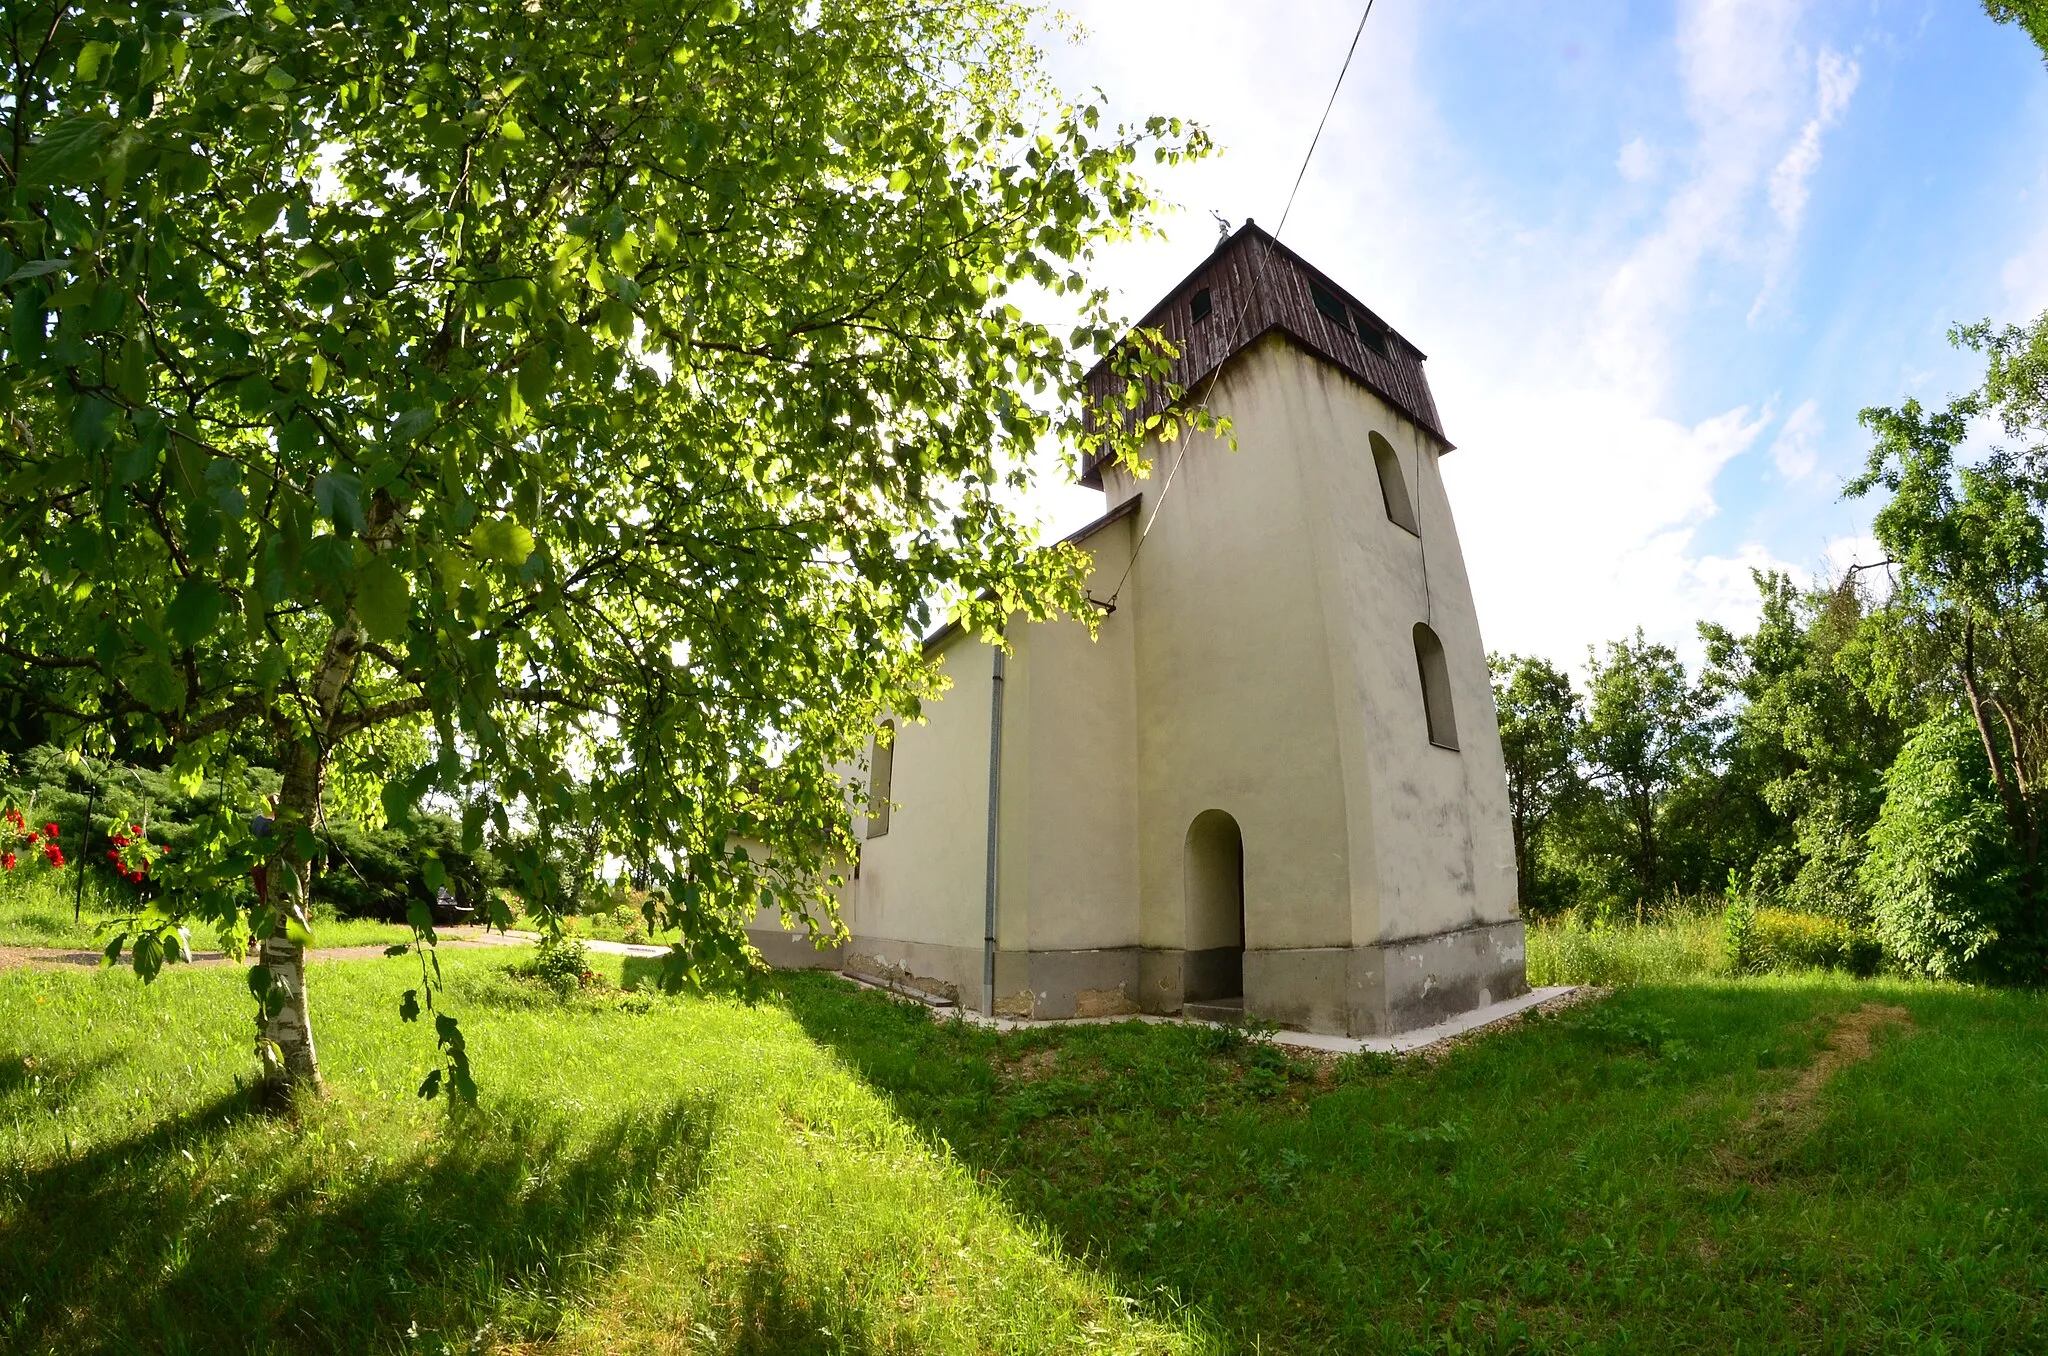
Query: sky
(1659,255)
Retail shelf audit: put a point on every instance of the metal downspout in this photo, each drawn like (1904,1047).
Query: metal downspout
(995,800)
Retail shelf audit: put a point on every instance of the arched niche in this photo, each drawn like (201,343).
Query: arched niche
(1214,956)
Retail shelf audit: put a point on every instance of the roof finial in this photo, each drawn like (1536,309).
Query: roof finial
(1222,225)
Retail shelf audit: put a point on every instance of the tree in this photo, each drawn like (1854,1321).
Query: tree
(2030,15)
(1805,737)
(1941,874)
(1539,718)
(1644,732)
(1968,546)
(609,393)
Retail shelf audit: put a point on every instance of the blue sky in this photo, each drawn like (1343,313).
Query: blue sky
(1659,255)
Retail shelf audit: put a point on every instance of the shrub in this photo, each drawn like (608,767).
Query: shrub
(1942,877)
(561,963)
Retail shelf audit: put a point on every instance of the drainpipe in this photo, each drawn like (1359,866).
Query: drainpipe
(995,799)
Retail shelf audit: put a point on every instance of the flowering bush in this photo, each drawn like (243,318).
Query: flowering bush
(132,854)
(17,839)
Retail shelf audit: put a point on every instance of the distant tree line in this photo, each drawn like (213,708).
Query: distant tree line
(1872,751)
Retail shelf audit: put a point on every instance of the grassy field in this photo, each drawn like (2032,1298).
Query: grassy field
(37,910)
(1682,1167)
(1685,947)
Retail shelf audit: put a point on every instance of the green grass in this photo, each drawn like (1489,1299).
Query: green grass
(36,909)
(829,1170)
(1685,947)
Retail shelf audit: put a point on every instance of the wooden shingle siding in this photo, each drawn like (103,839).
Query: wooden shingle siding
(1256,286)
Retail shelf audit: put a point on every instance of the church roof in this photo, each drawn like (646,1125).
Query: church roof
(1249,287)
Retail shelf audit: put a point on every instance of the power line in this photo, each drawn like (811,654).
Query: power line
(1244,304)
(1341,73)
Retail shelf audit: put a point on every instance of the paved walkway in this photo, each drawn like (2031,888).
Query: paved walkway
(1401,1043)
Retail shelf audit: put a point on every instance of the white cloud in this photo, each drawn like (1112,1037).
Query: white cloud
(1837,77)
(1638,161)
(1794,451)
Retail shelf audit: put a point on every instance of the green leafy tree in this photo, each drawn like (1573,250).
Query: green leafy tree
(599,397)
(1646,731)
(1968,613)
(1942,875)
(1539,718)
(2031,15)
(1805,738)
(1967,623)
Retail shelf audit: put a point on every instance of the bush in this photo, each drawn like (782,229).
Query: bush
(561,963)
(1942,877)
(376,873)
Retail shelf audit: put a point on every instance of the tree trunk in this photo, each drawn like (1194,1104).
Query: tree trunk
(2009,794)
(285,1043)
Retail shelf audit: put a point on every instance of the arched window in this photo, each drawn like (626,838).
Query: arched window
(1436,688)
(1393,485)
(881,767)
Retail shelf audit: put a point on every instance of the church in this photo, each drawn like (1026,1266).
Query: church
(1271,784)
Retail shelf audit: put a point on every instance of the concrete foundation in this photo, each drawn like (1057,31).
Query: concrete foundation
(1376,990)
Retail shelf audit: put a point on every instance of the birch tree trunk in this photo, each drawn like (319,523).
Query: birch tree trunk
(285,1040)
(285,1046)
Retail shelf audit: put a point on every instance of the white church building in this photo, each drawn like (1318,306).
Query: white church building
(1272,782)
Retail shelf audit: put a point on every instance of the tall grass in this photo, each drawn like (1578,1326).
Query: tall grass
(1682,946)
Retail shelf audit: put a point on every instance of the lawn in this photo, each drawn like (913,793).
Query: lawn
(828,1170)
(49,910)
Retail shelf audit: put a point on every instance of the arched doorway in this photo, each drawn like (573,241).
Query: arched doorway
(1213,962)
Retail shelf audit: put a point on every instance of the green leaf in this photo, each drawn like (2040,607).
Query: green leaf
(157,685)
(194,611)
(431,870)
(339,497)
(68,150)
(384,599)
(90,55)
(502,540)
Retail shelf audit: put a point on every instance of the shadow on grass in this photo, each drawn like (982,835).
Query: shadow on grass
(37,1085)
(219,1230)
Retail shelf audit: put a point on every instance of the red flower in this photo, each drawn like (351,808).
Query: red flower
(135,829)
(54,853)
(50,830)
(6,861)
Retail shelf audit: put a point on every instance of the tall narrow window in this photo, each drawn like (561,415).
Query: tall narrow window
(1436,688)
(1199,307)
(881,763)
(1393,485)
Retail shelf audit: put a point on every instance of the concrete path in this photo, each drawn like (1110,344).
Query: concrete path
(1400,1043)
(589,944)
